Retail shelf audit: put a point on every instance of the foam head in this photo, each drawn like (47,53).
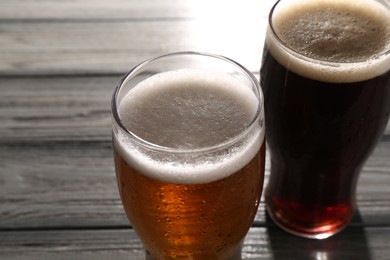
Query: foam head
(187,110)
(331,40)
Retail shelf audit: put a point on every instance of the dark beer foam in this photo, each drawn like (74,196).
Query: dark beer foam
(165,104)
(349,42)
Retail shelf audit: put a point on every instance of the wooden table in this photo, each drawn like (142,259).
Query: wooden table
(59,64)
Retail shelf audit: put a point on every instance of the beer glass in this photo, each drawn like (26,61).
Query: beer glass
(188,136)
(325,75)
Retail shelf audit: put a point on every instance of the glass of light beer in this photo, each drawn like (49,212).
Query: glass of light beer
(325,75)
(188,136)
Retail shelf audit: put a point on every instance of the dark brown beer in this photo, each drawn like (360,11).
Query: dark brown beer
(194,193)
(324,112)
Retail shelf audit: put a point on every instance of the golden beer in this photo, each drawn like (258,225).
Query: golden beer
(207,221)
(189,157)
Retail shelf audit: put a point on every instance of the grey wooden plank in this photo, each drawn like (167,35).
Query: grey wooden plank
(47,109)
(71,244)
(56,108)
(73,184)
(90,10)
(93,47)
(123,9)
(52,186)
(367,243)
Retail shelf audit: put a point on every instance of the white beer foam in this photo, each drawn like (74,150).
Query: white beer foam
(193,168)
(328,71)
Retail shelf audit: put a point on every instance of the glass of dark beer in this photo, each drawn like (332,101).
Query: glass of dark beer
(188,136)
(325,75)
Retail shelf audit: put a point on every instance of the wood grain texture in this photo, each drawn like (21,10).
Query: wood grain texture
(91,48)
(37,38)
(62,109)
(124,9)
(261,243)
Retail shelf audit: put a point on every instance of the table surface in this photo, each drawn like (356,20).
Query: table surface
(59,64)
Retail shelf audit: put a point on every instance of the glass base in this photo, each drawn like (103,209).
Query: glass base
(317,232)
(232,254)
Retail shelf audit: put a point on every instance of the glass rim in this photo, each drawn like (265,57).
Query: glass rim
(301,56)
(158,148)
